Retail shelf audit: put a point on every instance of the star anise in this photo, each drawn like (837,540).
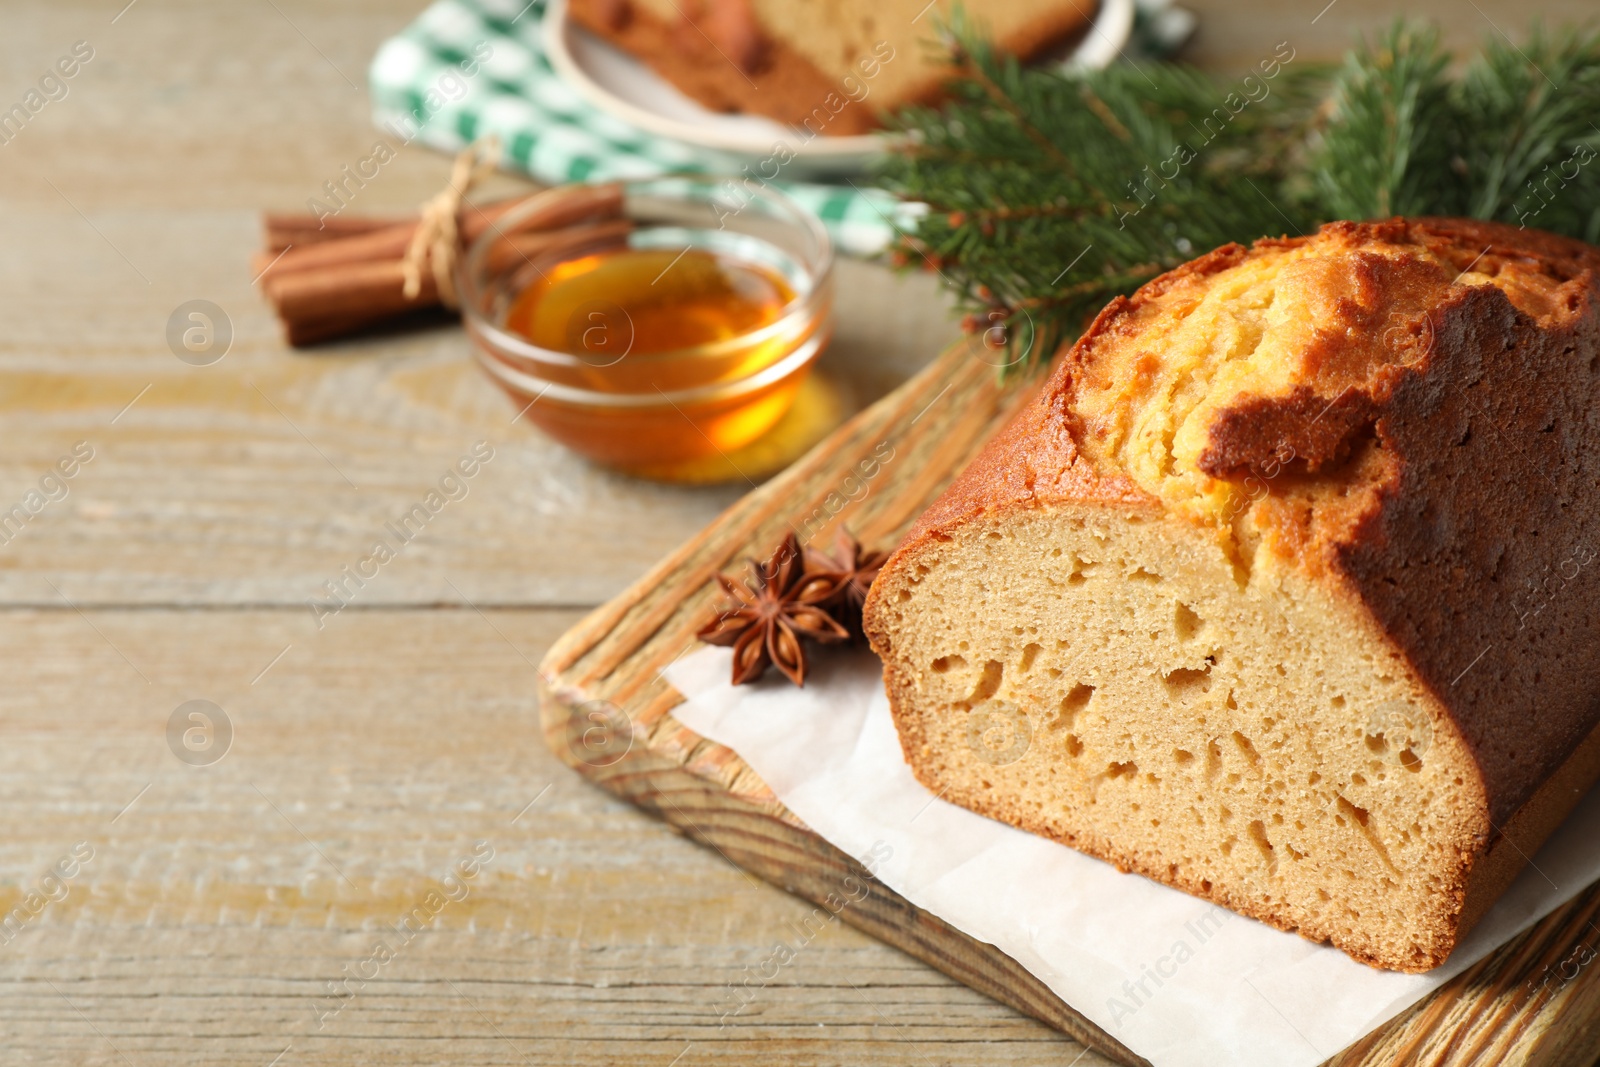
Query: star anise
(769,615)
(850,571)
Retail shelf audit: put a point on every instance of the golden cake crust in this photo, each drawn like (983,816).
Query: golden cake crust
(1423,443)
(1356,522)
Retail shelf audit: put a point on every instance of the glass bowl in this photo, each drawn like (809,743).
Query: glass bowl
(640,410)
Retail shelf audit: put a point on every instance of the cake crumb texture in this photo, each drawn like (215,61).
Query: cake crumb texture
(1283,591)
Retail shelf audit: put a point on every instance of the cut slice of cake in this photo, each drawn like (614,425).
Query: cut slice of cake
(826,67)
(1284,591)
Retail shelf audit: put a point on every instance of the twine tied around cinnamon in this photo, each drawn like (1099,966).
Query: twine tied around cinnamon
(437,238)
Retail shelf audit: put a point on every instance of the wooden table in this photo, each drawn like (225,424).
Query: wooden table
(229,911)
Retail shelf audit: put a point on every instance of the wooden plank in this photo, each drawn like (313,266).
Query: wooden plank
(214,912)
(227,484)
(607,713)
(207,927)
(256,479)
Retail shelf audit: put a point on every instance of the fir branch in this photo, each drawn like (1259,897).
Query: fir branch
(1388,148)
(1501,142)
(1532,133)
(1051,192)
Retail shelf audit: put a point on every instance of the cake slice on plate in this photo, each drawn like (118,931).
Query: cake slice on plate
(1285,590)
(827,67)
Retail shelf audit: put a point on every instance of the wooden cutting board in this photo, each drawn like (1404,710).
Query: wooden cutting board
(608,714)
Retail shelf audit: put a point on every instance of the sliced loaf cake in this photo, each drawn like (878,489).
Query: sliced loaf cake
(826,67)
(1285,590)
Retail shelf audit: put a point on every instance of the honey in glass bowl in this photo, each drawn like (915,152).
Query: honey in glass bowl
(657,328)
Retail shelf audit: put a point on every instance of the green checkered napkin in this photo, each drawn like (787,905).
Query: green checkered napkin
(421,91)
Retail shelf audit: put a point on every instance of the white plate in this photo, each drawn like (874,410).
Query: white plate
(622,86)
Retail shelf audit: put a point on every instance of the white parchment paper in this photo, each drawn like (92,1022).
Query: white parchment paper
(1177,980)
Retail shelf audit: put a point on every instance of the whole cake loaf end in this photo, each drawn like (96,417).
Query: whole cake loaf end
(1284,590)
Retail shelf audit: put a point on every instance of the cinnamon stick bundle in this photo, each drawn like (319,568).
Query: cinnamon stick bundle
(334,277)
